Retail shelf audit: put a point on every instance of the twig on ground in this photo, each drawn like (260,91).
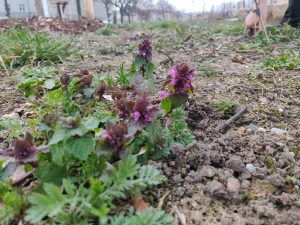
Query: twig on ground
(22,178)
(222,127)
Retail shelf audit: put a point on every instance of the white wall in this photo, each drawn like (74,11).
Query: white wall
(16,11)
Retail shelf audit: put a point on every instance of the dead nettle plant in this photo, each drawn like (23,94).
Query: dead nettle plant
(177,87)
(96,137)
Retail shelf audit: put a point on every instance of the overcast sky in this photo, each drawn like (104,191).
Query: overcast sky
(196,5)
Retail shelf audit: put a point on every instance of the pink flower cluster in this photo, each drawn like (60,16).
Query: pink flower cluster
(145,50)
(116,136)
(142,112)
(23,149)
(179,81)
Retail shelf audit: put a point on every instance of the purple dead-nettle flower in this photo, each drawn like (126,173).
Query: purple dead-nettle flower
(124,107)
(116,136)
(179,81)
(145,50)
(24,148)
(101,90)
(65,80)
(84,72)
(142,112)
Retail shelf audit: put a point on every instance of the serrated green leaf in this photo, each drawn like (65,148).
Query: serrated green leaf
(59,136)
(42,205)
(91,123)
(57,154)
(50,173)
(80,147)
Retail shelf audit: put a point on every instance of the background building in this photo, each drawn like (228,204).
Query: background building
(17,8)
(67,9)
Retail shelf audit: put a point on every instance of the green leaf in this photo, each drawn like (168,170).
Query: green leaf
(49,84)
(45,205)
(50,173)
(8,171)
(178,100)
(28,168)
(57,153)
(59,136)
(54,98)
(166,105)
(149,71)
(69,187)
(88,92)
(91,123)
(80,147)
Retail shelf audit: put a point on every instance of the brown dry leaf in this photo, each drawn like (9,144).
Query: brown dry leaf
(139,204)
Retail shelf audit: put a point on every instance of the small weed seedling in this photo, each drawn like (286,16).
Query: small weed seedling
(226,107)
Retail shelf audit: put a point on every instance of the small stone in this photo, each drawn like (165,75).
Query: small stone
(180,191)
(280,110)
(253,127)
(214,186)
(261,130)
(236,164)
(233,185)
(242,130)
(277,131)
(261,173)
(250,168)
(207,171)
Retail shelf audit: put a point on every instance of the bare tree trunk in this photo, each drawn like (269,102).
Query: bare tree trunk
(7,8)
(59,10)
(39,8)
(122,15)
(107,12)
(78,8)
(89,9)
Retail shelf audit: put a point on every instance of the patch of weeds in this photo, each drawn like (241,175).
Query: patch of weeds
(296,150)
(131,26)
(168,24)
(108,31)
(13,203)
(109,80)
(208,71)
(247,197)
(10,128)
(21,46)
(276,35)
(34,78)
(285,61)
(96,146)
(243,47)
(268,161)
(226,106)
